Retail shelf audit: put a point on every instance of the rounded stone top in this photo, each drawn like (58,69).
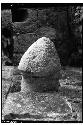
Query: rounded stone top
(41,58)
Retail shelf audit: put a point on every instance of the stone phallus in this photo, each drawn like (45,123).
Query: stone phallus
(40,67)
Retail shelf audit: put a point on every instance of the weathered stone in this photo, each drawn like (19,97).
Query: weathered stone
(37,106)
(32,14)
(28,24)
(42,15)
(40,66)
(41,58)
(7,72)
(22,27)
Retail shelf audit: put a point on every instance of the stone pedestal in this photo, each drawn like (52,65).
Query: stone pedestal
(36,107)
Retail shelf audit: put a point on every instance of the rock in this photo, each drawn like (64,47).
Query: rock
(19,27)
(25,23)
(40,67)
(36,106)
(41,58)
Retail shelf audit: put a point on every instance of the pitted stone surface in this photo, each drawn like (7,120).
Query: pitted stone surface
(41,58)
(37,106)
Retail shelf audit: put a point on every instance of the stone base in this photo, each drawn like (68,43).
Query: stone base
(36,106)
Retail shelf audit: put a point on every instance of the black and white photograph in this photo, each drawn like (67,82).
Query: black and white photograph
(41,62)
